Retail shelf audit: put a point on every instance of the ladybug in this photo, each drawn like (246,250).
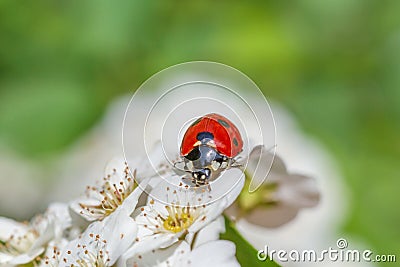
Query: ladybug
(209,146)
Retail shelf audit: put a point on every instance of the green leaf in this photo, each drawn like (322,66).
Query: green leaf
(245,253)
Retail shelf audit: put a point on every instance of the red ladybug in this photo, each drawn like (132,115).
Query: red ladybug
(209,146)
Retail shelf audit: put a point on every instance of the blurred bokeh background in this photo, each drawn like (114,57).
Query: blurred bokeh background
(334,64)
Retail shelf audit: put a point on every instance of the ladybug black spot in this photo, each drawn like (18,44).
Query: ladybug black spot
(224,123)
(203,135)
(235,142)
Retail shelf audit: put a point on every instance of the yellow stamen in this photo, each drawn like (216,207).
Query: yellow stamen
(177,221)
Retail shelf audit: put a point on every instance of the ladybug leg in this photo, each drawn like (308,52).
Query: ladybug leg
(235,163)
(215,165)
(186,181)
(180,165)
(208,186)
(196,182)
(180,168)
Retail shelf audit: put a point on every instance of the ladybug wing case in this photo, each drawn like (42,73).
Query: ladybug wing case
(226,136)
(224,133)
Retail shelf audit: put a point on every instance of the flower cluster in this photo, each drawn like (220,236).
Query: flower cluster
(124,220)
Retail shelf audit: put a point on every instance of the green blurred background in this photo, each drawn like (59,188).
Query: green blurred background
(334,64)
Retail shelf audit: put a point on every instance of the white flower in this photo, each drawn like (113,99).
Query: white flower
(22,243)
(214,253)
(279,198)
(52,254)
(179,214)
(117,189)
(102,243)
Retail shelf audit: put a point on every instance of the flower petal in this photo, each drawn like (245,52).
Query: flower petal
(154,165)
(75,206)
(161,257)
(9,227)
(92,208)
(116,169)
(298,191)
(216,208)
(219,253)
(5,258)
(52,254)
(26,258)
(210,232)
(146,245)
(112,236)
(60,213)
(273,216)
(259,164)
(120,231)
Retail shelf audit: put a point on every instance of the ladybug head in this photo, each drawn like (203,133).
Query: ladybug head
(204,163)
(201,176)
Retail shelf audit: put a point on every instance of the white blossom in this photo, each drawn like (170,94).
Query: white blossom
(183,217)
(23,243)
(279,198)
(102,243)
(117,189)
